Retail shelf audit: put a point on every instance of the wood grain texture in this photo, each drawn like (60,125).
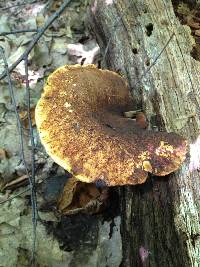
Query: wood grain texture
(162,215)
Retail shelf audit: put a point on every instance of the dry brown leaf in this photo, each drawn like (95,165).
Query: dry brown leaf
(78,196)
(197,32)
(24,117)
(16,183)
(193,22)
(84,199)
(86,53)
(2,154)
(67,194)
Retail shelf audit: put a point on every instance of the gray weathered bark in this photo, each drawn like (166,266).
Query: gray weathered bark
(162,215)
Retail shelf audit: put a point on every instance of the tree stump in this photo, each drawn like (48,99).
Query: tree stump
(145,42)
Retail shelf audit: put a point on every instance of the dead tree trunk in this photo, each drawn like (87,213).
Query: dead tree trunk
(161,216)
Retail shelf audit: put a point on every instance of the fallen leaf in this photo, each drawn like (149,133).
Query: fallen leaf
(67,194)
(197,32)
(16,182)
(2,154)
(84,53)
(24,117)
(193,22)
(79,196)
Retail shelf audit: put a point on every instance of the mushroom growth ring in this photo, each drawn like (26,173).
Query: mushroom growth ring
(81,125)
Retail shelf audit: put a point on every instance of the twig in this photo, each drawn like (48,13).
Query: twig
(157,57)
(17,5)
(37,37)
(9,7)
(18,31)
(33,189)
(19,126)
(17,195)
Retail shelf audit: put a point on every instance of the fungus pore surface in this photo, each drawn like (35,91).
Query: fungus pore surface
(81,125)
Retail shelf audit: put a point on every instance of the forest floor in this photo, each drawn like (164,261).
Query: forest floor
(66,41)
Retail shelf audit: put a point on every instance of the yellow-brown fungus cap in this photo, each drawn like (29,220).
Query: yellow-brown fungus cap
(81,125)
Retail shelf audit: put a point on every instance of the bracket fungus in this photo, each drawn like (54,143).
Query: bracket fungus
(81,125)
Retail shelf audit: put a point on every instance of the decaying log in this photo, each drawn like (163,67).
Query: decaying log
(160,219)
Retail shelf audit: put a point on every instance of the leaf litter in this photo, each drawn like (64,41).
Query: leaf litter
(61,44)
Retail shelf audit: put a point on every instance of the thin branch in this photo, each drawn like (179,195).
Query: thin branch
(157,57)
(37,37)
(18,31)
(19,124)
(33,189)
(18,5)
(17,195)
(9,7)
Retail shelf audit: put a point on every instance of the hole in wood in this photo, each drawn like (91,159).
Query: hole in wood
(149,29)
(135,51)
(147,62)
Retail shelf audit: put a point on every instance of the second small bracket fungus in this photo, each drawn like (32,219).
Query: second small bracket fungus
(80,122)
